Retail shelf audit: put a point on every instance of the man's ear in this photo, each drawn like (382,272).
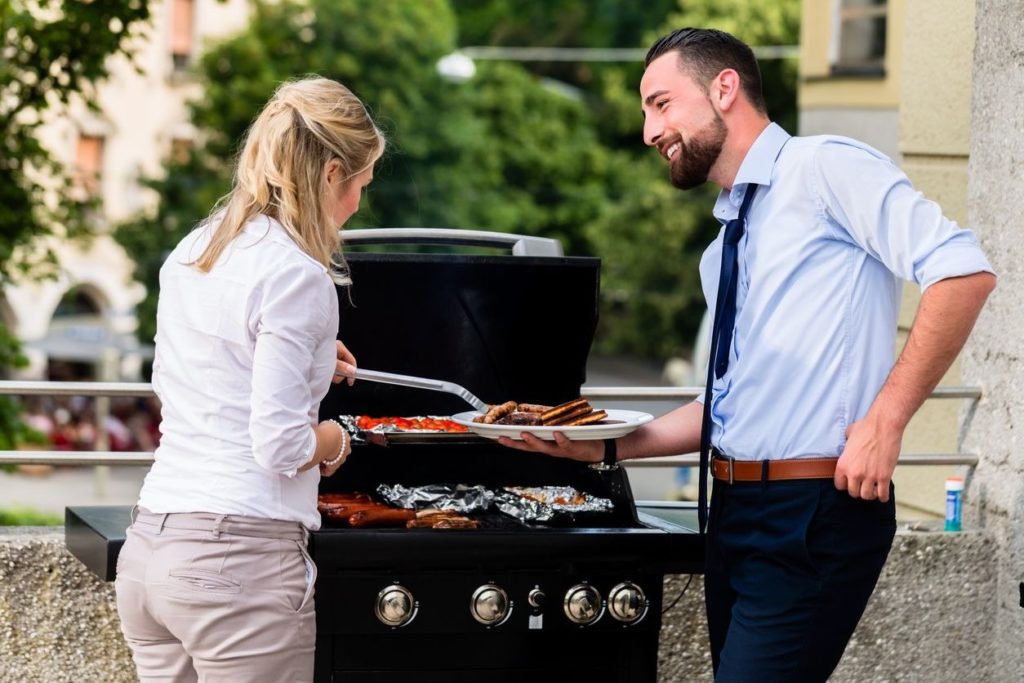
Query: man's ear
(725,89)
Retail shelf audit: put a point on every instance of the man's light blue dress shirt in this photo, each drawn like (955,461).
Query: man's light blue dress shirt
(833,231)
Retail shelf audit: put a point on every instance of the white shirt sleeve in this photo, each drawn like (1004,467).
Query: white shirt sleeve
(868,200)
(290,318)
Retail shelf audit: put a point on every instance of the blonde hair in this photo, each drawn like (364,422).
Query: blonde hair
(281,169)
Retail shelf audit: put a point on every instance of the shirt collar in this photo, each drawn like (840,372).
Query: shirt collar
(757,168)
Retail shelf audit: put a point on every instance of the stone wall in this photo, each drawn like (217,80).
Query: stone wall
(992,358)
(58,621)
(930,620)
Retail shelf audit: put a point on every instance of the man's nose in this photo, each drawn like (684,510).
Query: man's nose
(652,131)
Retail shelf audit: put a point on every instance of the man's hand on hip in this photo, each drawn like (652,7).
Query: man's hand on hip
(866,465)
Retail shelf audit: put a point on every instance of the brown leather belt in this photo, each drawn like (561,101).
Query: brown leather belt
(729,470)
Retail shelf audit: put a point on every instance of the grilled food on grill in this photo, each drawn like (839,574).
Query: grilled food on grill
(441,519)
(381,516)
(406,424)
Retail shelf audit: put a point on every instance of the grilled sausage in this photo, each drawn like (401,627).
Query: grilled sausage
(352,497)
(381,517)
(532,408)
(499,411)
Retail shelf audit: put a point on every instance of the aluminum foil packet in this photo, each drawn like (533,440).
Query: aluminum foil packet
(460,498)
(546,503)
(349,423)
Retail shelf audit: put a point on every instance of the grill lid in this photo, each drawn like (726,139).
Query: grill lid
(503,327)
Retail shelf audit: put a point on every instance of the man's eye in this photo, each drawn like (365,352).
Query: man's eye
(660,104)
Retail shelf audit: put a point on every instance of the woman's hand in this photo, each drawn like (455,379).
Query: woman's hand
(345,367)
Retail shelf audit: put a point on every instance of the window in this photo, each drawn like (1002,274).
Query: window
(89,165)
(181,33)
(858,46)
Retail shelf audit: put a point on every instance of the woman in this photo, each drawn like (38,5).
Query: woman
(214,582)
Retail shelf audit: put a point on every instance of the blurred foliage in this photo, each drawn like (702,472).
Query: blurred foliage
(52,53)
(22,516)
(503,151)
(652,241)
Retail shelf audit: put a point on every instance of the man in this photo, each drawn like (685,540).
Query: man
(807,409)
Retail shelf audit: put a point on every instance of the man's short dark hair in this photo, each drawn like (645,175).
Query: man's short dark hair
(706,52)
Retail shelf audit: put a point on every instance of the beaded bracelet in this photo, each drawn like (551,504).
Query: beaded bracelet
(341,450)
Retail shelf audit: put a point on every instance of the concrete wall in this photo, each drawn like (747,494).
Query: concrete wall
(930,619)
(993,356)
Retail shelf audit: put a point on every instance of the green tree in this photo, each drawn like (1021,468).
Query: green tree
(52,53)
(652,240)
(501,152)
(649,235)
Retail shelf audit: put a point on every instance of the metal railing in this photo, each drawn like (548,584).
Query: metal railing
(674,395)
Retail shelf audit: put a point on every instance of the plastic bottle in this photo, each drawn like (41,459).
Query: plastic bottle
(954,503)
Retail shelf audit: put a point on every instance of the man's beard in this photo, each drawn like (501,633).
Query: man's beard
(695,158)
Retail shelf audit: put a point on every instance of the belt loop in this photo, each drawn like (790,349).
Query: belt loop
(134,513)
(216,525)
(764,470)
(163,520)
(730,461)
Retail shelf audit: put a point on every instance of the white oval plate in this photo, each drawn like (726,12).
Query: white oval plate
(618,423)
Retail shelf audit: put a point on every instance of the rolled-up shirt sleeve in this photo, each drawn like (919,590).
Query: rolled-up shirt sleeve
(290,317)
(870,201)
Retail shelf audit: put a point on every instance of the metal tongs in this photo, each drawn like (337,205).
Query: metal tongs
(422,383)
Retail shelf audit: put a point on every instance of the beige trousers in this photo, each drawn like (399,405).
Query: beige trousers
(217,598)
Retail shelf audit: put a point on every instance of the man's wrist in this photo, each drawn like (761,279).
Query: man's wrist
(610,456)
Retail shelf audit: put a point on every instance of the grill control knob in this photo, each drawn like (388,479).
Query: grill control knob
(536,598)
(395,606)
(583,604)
(627,603)
(490,605)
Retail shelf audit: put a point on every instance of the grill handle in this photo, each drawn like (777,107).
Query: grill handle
(422,383)
(521,245)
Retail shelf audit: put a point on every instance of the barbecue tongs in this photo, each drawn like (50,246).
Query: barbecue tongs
(422,383)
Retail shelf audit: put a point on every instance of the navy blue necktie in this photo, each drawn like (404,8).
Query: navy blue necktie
(721,340)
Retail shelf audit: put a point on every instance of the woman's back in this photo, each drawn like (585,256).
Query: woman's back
(234,418)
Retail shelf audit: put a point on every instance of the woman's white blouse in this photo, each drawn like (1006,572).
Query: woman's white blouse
(244,355)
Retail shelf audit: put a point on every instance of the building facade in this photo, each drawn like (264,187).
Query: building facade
(81,325)
(868,71)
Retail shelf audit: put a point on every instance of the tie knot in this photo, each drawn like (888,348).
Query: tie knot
(733,231)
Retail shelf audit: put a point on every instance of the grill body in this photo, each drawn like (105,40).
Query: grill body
(504,327)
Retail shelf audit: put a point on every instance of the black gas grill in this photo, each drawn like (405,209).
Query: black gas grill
(578,598)
(509,600)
